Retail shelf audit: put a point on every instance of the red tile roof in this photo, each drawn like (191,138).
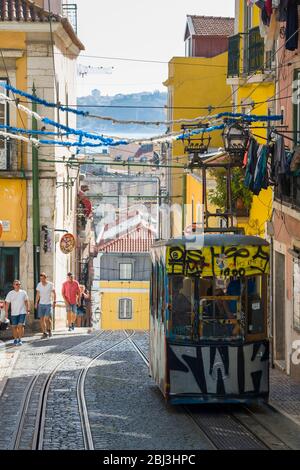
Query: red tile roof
(28,11)
(138,240)
(212,25)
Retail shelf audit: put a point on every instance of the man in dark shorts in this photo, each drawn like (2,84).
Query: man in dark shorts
(19,302)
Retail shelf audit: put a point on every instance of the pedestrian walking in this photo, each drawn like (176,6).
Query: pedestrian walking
(43,303)
(19,302)
(71,293)
(82,305)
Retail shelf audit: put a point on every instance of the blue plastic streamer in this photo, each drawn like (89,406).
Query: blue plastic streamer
(200,131)
(35,99)
(80,133)
(85,144)
(29,131)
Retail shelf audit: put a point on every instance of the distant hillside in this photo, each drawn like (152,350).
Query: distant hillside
(147,112)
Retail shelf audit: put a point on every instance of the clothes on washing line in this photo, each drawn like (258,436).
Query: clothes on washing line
(295,161)
(251,163)
(292,24)
(260,176)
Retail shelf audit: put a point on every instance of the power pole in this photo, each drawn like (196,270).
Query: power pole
(35,205)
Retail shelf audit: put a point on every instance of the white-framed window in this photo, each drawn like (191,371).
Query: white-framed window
(125,309)
(126,271)
(296,295)
(3,141)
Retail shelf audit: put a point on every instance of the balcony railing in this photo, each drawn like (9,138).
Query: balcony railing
(234,56)
(289,193)
(70,11)
(254,57)
(256,49)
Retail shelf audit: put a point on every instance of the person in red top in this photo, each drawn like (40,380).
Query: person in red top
(70,293)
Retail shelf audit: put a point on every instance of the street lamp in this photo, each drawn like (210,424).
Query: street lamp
(235,138)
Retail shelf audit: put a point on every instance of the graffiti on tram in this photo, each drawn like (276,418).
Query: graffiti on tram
(219,261)
(219,370)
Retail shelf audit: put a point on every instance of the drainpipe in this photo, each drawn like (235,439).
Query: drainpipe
(35,205)
(183,201)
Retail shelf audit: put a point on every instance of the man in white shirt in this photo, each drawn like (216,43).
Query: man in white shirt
(44,292)
(18,299)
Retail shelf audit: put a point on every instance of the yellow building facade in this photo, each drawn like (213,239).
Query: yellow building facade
(193,83)
(124,305)
(252,84)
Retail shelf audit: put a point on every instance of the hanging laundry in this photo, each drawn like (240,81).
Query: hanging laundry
(268,7)
(260,180)
(251,164)
(280,161)
(272,32)
(295,162)
(260,3)
(275,3)
(282,11)
(291,32)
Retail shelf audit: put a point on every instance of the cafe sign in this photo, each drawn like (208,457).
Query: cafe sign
(67,243)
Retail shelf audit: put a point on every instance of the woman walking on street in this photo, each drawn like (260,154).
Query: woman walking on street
(82,304)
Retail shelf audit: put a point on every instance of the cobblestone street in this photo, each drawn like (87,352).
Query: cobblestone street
(93,391)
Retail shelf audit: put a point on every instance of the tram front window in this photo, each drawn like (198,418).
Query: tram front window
(181,304)
(220,309)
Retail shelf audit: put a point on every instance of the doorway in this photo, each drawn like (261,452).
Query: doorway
(9,269)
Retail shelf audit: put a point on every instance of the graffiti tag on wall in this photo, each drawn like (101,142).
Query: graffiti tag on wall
(218,261)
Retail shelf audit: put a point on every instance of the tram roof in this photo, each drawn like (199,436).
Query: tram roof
(215,239)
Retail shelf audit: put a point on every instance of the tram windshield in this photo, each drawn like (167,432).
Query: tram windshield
(212,308)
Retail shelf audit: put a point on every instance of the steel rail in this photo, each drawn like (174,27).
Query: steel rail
(16,439)
(42,407)
(233,416)
(83,411)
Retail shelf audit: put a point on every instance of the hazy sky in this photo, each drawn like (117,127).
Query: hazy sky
(136,29)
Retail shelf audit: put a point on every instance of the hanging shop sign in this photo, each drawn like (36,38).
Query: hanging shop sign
(67,243)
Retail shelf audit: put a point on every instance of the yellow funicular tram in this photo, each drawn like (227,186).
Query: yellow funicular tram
(208,324)
(209,303)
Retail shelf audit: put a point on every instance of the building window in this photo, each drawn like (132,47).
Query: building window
(125,309)
(126,271)
(3,141)
(296,281)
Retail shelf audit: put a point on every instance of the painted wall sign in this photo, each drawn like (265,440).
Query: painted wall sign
(219,260)
(67,243)
(6,225)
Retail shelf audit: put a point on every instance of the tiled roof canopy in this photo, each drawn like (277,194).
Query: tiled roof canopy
(138,240)
(27,11)
(212,25)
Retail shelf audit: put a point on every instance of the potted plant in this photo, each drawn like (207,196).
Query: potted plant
(241,196)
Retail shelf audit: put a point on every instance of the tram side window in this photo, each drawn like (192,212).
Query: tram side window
(256,314)
(154,291)
(182,304)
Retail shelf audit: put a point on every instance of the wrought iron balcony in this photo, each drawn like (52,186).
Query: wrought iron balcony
(234,56)
(289,193)
(254,58)
(255,52)
(70,11)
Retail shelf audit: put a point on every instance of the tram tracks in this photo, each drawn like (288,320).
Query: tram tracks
(229,429)
(39,387)
(232,429)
